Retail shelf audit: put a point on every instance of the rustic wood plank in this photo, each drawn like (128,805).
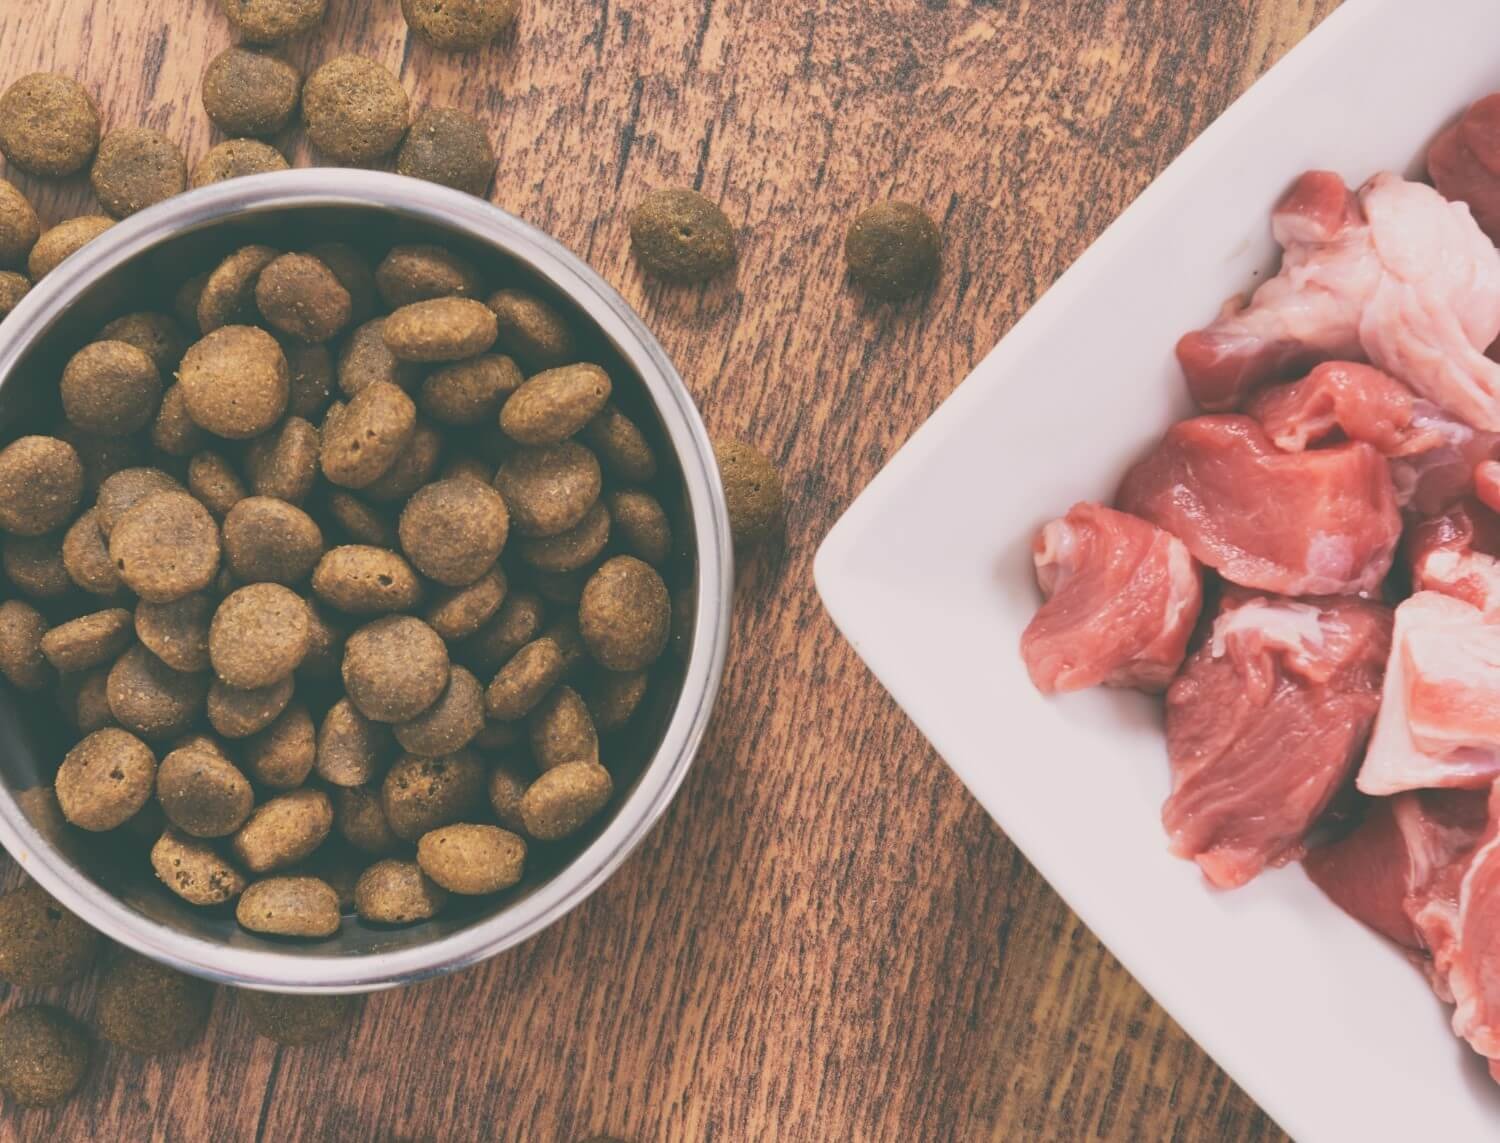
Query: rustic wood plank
(825,938)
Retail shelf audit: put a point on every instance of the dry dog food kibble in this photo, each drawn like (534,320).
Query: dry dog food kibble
(110,387)
(532,331)
(893,250)
(13,287)
(302,298)
(290,907)
(453,531)
(284,830)
(448,147)
(356,111)
(236,158)
(421,794)
(394,892)
(41,482)
(361,440)
(237,713)
(195,870)
(236,382)
(564,798)
(472,859)
(421,273)
(459,24)
(362,579)
(295,1020)
(228,295)
(203,793)
(19,225)
(44,1053)
(442,329)
(135,168)
(165,547)
(681,236)
(149,1009)
(41,943)
(250,93)
(752,489)
(49,125)
(64,239)
(259,635)
(271,21)
(395,668)
(553,406)
(177,632)
(625,614)
(105,780)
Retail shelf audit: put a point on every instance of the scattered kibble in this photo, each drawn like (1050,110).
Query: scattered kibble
(356,111)
(250,93)
(894,250)
(49,125)
(681,236)
(459,24)
(449,147)
(44,1054)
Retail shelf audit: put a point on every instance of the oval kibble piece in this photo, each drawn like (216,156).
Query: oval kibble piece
(625,614)
(564,798)
(297,1020)
(472,859)
(88,640)
(44,1055)
(470,392)
(87,701)
(41,482)
(136,167)
(640,525)
(105,780)
(421,794)
(214,482)
(532,331)
(57,245)
(202,793)
(122,490)
(21,660)
(621,446)
(249,93)
(681,236)
(524,681)
(443,329)
(110,387)
(259,635)
(86,556)
(267,540)
(166,547)
(508,783)
(236,382)
(194,870)
(284,830)
(549,490)
(613,698)
(449,724)
(395,668)
(49,125)
(359,817)
(562,730)
(289,907)
(552,406)
(237,713)
(361,440)
(454,530)
(350,747)
(301,297)
(456,613)
(364,580)
(449,147)
(41,943)
(361,522)
(177,632)
(35,565)
(149,698)
(281,756)
(149,1009)
(568,551)
(420,273)
(365,360)
(284,462)
(228,294)
(394,892)
(752,491)
(311,382)
(355,110)
(411,469)
(517,622)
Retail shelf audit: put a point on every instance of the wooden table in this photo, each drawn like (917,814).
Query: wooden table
(826,938)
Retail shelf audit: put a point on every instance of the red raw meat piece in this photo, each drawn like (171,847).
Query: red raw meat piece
(1323,522)
(1342,398)
(1464,162)
(1122,599)
(1429,481)
(1398,276)
(1470,961)
(1265,724)
(1454,553)
(1487,484)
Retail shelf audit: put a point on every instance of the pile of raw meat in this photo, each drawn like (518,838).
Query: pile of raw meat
(1310,570)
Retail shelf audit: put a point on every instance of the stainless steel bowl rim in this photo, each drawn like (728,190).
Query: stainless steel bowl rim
(303,971)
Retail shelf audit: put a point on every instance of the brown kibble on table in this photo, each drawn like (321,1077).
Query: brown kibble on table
(562,730)
(470,392)
(259,635)
(19,225)
(13,287)
(44,1054)
(443,329)
(21,660)
(459,612)
(149,1009)
(568,551)
(449,147)
(284,830)
(412,468)
(290,907)
(458,25)
(359,817)
(123,490)
(453,531)
(364,360)
(625,614)
(394,892)
(149,698)
(395,668)
(525,680)
(165,547)
(681,236)
(250,93)
(752,489)
(267,540)
(177,632)
(364,580)
(41,943)
(564,798)
(356,111)
(236,382)
(284,462)
(156,335)
(214,483)
(237,713)
(88,640)
(281,756)
(111,388)
(423,272)
(361,440)
(552,406)
(449,724)
(350,747)
(472,859)
(421,794)
(35,565)
(202,793)
(137,167)
(641,525)
(63,240)
(302,298)
(41,482)
(228,296)
(532,331)
(272,21)
(105,780)
(297,1020)
(893,250)
(194,870)
(235,159)
(549,490)
(49,125)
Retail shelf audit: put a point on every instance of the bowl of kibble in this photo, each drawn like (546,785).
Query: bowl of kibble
(372,576)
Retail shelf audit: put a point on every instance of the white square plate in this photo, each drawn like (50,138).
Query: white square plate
(929,576)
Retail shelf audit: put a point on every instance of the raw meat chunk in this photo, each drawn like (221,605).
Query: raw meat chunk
(1455,553)
(1429,480)
(1469,961)
(1464,162)
(1264,727)
(1314,523)
(1122,598)
(1343,397)
(1397,276)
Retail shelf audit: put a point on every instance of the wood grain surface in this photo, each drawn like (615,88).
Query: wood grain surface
(826,938)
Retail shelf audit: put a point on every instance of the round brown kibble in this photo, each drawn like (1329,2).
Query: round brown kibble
(282,755)
(297,1020)
(49,125)
(517,622)
(356,111)
(165,547)
(395,668)
(894,250)
(105,780)
(524,681)
(289,907)
(110,387)
(752,490)
(421,794)
(137,167)
(549,490)
(35,565)
(44,1054)
(532,331)
(150,698)
(454,530)
(65,239)
(507,787)
(302,298)
(272,21)
(449,147)
(259,635)
(350,747)
(228,296)
(41,482)
(237,713)
(393,892)
(156,335)
(270,541)
(148,1008)
(361,440)
(420,273)
(90,703)
(568,551)
(359,817)
(355,274)
(459,25)
(177,632)
(472,859)
(21,660)
(552,406)
(621,446)
(361,522)
(641,526)
(202,793)
(625,614)
(250,93)
(614,697)
(123,490)
(459,612)
(41,943)
(564,798)
(562,730)
(174,431)
(449,724)
(214,482)
(88,640)
(443,329)
(236,382)
(195,871)
(364,580)
(237,159)
(365,359)
(681,236)
(284,462)
(470,392)
(325,651)
(19,225)
(312,379)
(13,287)
(284,830)
(411,469)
